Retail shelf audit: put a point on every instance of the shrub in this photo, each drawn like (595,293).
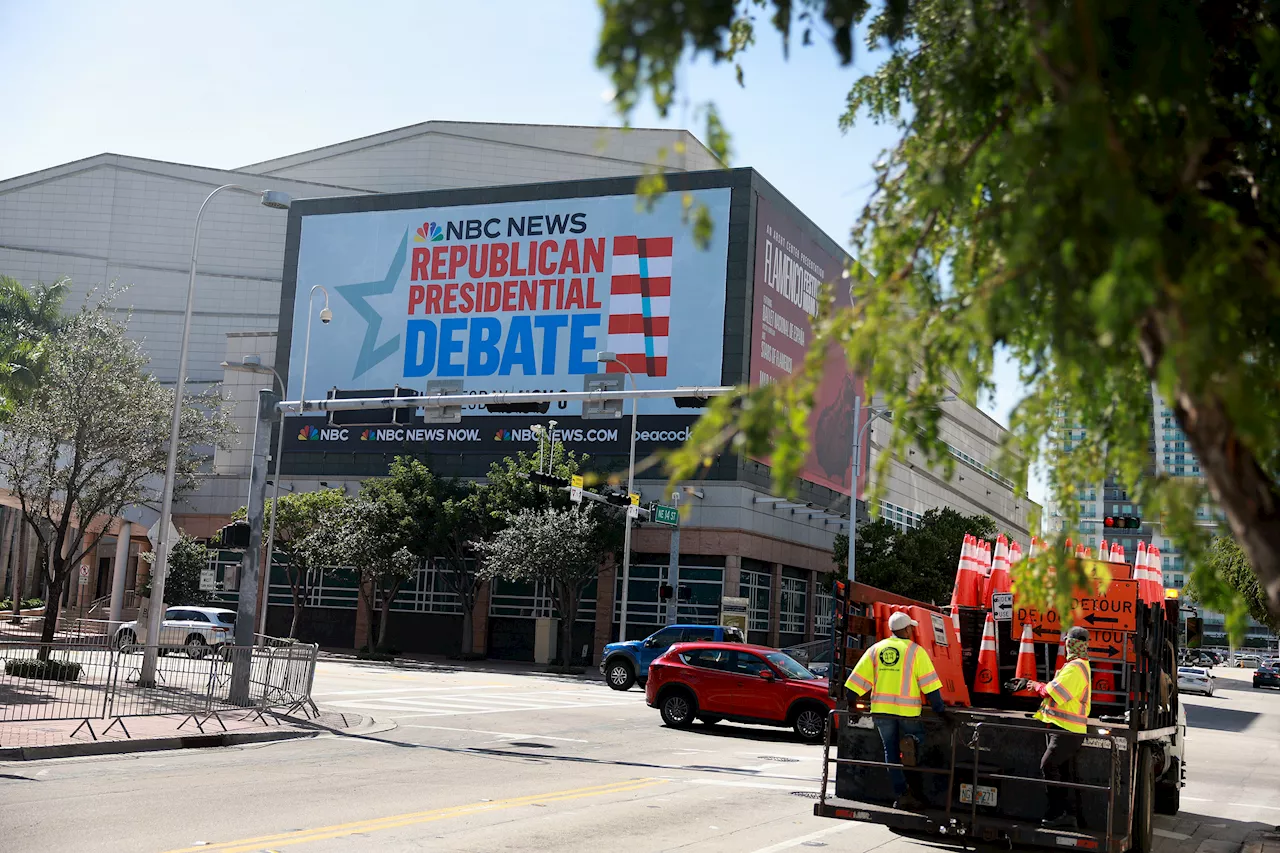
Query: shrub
(49,670)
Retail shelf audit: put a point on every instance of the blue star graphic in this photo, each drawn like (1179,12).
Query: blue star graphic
(356,295)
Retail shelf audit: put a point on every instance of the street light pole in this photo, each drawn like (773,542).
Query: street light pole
(612,358)
(147,677)
(325,316)
(249,366)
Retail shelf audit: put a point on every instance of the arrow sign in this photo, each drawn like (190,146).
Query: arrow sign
(1105,651)
(1116,610)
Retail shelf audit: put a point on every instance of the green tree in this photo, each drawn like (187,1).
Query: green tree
(305,560)
(28,316)
(919,562)
(1227,560)
(364,532)
(182,573)
(92,439)
(1085,187)
(563,548)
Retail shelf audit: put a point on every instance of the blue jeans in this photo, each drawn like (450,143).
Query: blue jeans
(892,729)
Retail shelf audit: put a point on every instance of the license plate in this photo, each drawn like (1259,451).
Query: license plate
(986,794)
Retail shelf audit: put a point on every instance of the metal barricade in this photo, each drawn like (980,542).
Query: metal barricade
(68,681)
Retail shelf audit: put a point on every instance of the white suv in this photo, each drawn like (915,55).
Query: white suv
(196,628)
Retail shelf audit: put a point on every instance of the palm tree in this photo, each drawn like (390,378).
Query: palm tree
(28,316)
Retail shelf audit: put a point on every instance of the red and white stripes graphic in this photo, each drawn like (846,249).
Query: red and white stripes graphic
(640,304)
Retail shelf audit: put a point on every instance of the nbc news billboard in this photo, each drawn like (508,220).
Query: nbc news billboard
(507,296)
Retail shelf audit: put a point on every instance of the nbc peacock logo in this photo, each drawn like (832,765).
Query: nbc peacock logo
(502,435)
(308,433)
(364,436)
(429,232)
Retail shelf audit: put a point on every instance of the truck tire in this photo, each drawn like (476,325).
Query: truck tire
(619,674)
(1142,821)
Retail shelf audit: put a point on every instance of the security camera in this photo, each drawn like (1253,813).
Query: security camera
(326,315)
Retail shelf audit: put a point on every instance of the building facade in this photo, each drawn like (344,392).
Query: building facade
(125,219)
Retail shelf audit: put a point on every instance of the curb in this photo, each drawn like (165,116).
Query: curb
(118,747)
(368,726)
(1261,840)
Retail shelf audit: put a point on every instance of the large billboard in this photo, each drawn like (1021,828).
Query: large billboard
(513,296)
(790,270)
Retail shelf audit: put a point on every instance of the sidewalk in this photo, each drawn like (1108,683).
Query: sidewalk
(441,663)
(1195,833)
(61,738)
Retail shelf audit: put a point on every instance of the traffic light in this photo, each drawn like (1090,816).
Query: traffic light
(233,537)
(371,417)
(691,402)
(617,499)
(684,593)
(665,592)
(1195,632)
(518,408)
(1122,522)
(541,479)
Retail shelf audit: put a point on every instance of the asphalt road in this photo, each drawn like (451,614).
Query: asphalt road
(493,760)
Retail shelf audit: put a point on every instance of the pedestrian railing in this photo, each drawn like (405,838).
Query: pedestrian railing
(94,683)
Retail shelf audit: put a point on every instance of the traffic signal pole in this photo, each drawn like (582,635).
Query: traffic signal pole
(673,568)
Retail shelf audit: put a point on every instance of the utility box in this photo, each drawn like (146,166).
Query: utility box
(545,633)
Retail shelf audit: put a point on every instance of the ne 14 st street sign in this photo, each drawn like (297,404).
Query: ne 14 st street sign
(1116,610)
(666,515)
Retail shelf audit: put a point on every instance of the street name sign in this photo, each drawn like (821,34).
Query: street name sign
(666,515)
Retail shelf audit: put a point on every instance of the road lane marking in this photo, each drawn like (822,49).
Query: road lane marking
(405,690)
(499,734)
(804,839)
(1255,806)
(730,783)
(324,833)
(1164,833)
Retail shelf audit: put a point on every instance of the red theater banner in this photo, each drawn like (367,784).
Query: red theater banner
(790,269)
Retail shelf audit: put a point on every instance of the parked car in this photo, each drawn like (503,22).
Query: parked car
(1267,675)
(820,664)
(623,664)
(1246,661)
(199,629)
(1195,679)
(711,682)
(1201,659)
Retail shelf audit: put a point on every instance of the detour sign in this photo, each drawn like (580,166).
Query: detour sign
(1116,610)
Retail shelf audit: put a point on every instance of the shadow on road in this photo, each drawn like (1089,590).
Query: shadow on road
(1188,830)
(1219,718)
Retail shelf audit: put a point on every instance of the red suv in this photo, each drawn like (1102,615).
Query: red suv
(731,681)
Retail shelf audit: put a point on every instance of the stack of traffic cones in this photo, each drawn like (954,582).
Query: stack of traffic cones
(1141,573)
(1117,553)
(968,588)
(998,580)
(1156,573)
(987,677)
(1026,661)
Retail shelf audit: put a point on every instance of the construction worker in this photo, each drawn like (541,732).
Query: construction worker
(1065,710)
(898,673)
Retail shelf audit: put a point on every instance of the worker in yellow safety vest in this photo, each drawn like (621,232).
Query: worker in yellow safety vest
(1065,710)
(899,675)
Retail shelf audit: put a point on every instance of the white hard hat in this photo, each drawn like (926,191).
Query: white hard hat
(900,620)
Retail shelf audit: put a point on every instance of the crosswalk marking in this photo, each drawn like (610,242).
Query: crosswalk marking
(410,703)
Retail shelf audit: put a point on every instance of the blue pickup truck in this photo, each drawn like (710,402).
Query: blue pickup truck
(623,664)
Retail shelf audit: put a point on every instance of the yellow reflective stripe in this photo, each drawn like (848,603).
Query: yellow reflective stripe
(909,670)
(930,681)
(1059,692)
(890,699)
(1058,713)
(857,682)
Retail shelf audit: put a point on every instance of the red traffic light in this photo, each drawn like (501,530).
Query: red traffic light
(665,592)
(1109,521)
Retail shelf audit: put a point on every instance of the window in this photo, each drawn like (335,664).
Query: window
(707,658)
(195,616)
(822,604)
(694,635)
(791,614)
(788,666)
(664,638)
(745,663)
(755,588)
(733,635)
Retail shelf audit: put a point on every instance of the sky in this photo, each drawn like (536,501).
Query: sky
(231,83)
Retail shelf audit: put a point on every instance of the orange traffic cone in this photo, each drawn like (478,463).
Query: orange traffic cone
(1104,552)
(987,678)
(1117,553)
(1026,661)
(955,616)
(968,588)
(1142,574)
(1156,573)
(998,580)
(1062,657)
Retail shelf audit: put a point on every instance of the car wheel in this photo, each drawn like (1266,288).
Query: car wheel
(1168,798)
(126,639)
(196,646)
(1255,684)
(619,674)
(708,719)
(810,723)
(678,709)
